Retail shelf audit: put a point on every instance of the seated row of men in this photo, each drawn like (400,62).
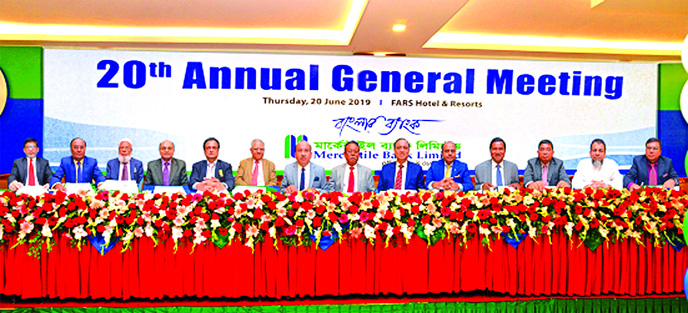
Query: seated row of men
(446,174)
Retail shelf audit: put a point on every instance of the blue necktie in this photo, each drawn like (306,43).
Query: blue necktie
(302,185)
(78,171)
(499,176)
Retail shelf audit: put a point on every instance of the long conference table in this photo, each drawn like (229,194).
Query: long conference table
(563,267)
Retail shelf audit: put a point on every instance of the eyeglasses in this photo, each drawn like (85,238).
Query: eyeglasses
(258,149)
(30,147)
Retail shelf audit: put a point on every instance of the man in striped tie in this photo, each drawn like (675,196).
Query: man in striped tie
(402,174)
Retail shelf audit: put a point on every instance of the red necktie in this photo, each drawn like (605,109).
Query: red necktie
(397,183)
(351,180)
(254,177)
(653,174)
(32,174)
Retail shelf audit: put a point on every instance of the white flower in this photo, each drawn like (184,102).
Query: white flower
(79,232)
(215,223)
(45,231)
(369,231)
(149,230)
(138,232)
(177,232)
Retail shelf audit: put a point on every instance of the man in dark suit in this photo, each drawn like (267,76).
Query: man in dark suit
(303,174)
(651,169)
(77,168)
(166,171)
(402,174)
(211,173)
(31,170)
(124,167)
(545,163)
(496,171)
(449,173)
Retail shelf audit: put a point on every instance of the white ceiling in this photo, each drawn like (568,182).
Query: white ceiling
(625,30)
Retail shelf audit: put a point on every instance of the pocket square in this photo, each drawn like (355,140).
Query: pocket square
(665,175)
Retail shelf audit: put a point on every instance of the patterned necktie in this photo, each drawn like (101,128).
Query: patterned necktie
(397,182)
(351,180)
(166,174)
(78,171)
(447,171)
(254,176)
(302,185)
(652,176)
(544,175)
(499,176)
(32,174)
(125,172)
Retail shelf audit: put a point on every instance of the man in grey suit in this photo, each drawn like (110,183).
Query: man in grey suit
(167,171)
(545,163)
(497,172)
(351,177)
(31,170)
(303,174)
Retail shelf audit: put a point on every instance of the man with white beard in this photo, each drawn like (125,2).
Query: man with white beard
(597,172)
(124,167)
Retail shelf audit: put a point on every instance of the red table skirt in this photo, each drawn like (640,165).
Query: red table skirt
(561,267)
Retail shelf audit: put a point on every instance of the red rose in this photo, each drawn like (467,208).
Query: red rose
(279,222)
(272,205)
(425,220)
(266,198)
(493,220)
(257,214)
(459,216)
(299,223)
(534,216)
(375,203)
(383,226)
(522,217)
(306,205)
(317,221)
(506,229)
(411,222)
(594,223)
(471,228)
(546,219)
(578,226)
(332,217)
(238,227)
(187,233)
(465,202)
(100,228)
(265,226)
(389,215)
(320,209)
(546,201)
(415,210)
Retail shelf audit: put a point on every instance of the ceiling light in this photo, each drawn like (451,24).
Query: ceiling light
(399,27)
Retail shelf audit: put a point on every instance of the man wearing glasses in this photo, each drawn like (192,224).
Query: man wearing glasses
(211,173)
(351,177)
(651,169)
(256,171)
(124,167)
(31,170)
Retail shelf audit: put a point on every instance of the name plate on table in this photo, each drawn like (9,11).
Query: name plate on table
(251,189)
(75,188)
(126,186)
(169,189)
(32,190)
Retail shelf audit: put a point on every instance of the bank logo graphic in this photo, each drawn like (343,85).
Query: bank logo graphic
(3,91)
(290,144)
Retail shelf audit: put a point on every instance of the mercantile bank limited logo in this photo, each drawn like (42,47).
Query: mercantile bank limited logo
(290,142)
(3,91)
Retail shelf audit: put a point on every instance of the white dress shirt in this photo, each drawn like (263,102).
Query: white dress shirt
(586,173)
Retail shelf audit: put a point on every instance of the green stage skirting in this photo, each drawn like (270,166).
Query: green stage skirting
(645,305)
